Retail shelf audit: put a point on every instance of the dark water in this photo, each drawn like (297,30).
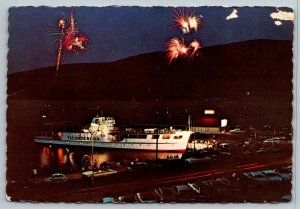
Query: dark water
(24,155)
(75,158)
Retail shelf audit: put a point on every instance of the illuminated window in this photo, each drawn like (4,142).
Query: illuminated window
(223,122)
(155,136)
(166,136)
(209,112)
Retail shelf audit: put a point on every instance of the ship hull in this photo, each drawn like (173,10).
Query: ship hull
(161,147)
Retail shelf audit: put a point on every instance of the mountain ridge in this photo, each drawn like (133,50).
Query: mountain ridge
(256,68)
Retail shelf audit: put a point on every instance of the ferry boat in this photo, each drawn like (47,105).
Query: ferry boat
(102,133)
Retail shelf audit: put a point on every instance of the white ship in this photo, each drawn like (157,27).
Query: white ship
(102,133)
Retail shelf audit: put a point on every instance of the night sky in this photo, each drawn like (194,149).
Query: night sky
(119,32)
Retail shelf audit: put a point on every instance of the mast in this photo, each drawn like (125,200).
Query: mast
(189,122)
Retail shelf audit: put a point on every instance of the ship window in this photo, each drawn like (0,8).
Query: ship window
(178,137)
(137,136)
(155,136)
(166,136)
(97,121)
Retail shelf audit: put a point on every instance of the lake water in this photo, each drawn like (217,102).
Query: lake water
(76,158)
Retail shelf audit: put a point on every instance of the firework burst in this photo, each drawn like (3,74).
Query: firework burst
(70,38)
(194,22)
(61,25)
(176,48)
(181,21)
(187,21)
(194,46)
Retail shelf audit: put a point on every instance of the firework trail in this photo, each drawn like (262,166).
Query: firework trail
(61,25)
(72,25)
(69,42)
(74,41)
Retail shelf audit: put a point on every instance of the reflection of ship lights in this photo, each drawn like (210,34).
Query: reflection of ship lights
(71,157)
(45,157)
(60,156)
(100,158)
(59,134)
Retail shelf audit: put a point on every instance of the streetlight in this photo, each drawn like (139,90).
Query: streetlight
(92,160)
(93,131)
(157,136)
(85,159)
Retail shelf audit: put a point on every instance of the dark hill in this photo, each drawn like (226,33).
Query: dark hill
(261,67)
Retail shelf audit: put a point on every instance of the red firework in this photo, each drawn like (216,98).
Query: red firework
(71,40)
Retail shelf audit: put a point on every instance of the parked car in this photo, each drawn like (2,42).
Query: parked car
(128,199)
(238,183)
(287,169)
(147,197)
(273,176)
(211,190)
(193,160)
(286,198)
(224,155)
(167,194)
(224,146)
(56,178)
(138,165)
(218,186)
(98,173)
(285,173)
(186,194)
(275,140)
(108,200)
(201,188)
(223,181)
(257,177)
(237,131)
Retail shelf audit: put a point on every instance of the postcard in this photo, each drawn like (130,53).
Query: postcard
(120,104)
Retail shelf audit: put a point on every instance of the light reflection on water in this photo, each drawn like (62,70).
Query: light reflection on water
(61,156)
(46,157)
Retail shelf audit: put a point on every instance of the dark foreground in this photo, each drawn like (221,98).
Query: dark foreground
(145,179)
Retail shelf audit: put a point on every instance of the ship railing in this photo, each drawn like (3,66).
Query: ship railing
(55,135)
(44,133)
(148,132)
(167,131)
